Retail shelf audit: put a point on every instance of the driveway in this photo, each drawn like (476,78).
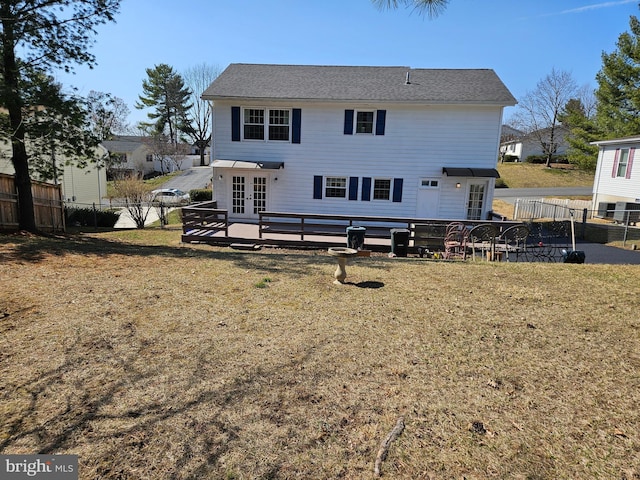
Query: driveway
(191,179)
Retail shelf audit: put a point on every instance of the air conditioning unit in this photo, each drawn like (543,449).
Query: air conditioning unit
(605,210)
(627,212)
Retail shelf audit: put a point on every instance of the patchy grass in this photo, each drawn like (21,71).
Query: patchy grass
(154,361)
(527,175)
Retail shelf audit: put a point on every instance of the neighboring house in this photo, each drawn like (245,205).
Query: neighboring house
(616,186)
(134,154)
(509,142)
(129,154)
(81,187)
(530,144)
(356,140)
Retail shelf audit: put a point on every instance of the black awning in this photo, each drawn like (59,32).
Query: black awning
(471,172)
(248,164)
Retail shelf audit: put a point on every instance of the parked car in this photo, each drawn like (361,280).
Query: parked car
(170,196)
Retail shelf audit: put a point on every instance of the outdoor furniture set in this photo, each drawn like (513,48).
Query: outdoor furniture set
(542,242)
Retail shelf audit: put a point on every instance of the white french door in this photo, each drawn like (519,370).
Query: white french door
(248,195)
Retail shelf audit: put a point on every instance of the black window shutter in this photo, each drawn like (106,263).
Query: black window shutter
(366,189)
(317,186)
(353,188)
(397,190)
(348,122)
(296,120)
(381,117)
(235,124)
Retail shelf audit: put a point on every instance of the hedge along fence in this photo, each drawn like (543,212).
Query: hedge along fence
(47,205)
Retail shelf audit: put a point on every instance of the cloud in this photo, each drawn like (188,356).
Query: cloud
(586,8)
(595,7)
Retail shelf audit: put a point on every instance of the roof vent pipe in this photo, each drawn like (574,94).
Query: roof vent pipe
(407,82)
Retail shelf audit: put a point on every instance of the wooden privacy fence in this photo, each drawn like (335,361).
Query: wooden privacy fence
(47,205)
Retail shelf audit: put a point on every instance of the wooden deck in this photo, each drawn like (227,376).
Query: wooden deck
(203,223)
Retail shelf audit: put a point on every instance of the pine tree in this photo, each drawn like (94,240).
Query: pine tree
(165,92)
(584,130)
(36,37)
(618,94)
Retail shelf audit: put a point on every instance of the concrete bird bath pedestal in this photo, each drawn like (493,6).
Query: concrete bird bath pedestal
(341,254)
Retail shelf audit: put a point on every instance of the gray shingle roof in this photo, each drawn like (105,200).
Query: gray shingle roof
(342,83)
(123,143)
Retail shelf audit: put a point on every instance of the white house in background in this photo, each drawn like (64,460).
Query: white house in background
(133,154)
(129,154)
(526,145)
(81,187)
(356,140)
(616,186)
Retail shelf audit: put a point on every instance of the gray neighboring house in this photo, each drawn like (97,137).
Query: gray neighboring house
(388,141)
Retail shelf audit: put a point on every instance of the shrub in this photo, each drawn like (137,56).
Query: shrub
(201,195)
(541,159)
(510,158)
(537,159)
(88,217)
(500,183)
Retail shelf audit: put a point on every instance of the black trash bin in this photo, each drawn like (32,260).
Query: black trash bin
(399,241)
(355,237)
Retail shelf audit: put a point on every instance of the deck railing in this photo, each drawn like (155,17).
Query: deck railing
(204,218)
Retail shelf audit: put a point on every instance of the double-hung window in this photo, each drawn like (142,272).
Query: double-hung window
(364,122)
(335,187)
(381,189)
(253,124)
(279,125)
(623,162)
(272,124)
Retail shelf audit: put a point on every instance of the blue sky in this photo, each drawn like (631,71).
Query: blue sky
(522,40)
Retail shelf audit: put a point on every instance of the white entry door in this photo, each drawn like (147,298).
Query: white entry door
(249,195)
(428,199)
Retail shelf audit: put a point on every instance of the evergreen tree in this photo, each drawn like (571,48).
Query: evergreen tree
(36,37)
(165,92)
(584,130)
(618,95)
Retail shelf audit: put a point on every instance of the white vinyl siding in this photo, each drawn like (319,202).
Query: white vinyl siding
(418,142)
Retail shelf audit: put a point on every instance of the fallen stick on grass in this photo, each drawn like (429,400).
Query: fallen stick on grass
(386,443)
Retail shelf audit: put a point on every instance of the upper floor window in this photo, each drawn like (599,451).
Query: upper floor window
(253,124)
(364,122)
(371,122)
(273,124)
(623,162)
(149,157)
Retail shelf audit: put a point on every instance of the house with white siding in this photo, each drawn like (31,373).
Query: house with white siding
(82,187)
(537,143)
(386,141)
(616,185)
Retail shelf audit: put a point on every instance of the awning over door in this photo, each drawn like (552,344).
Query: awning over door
(246,164)
(471,172)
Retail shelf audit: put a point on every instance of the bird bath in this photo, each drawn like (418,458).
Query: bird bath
(341,254)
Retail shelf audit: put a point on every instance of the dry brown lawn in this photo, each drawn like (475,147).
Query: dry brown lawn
(528,175)
(158,362)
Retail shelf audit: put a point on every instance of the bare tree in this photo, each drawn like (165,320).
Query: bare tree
(107,115)
(136,196)
(197,79)
(539,110)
